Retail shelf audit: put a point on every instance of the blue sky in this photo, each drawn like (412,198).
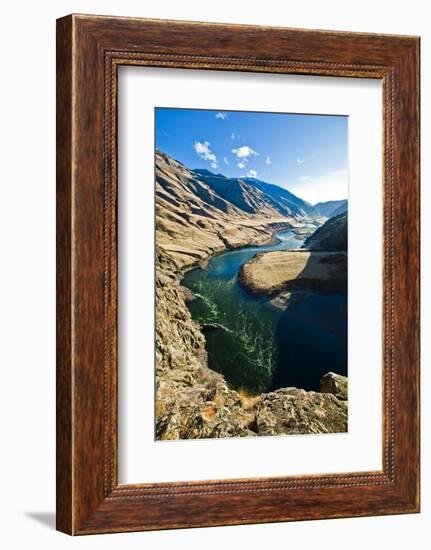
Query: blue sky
(306,154)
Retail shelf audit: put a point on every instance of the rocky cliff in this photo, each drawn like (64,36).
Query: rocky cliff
(332,235)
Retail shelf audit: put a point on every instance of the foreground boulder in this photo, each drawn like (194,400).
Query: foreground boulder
(212,410)
(296,411)
(207,410)
(335,384)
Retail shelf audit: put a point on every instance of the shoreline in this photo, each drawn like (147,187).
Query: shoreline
(294,271)
(203,264)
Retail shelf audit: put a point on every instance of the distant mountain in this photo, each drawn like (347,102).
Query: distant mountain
(340,210)
(199,213)
(255,196)
(282,198)
(331,236)
(331,208)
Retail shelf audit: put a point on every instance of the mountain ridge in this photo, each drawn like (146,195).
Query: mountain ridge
(342,209)
(331,236)
(199,213)
(279,197)
(331,208)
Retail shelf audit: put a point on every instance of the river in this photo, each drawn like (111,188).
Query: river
(257,346)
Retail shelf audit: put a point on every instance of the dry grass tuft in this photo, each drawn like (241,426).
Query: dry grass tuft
(247,400)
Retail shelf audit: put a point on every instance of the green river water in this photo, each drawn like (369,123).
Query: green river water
(258,346)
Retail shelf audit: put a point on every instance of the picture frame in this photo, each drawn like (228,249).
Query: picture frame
(89,51)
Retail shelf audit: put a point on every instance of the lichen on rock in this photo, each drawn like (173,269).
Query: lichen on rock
(296,411)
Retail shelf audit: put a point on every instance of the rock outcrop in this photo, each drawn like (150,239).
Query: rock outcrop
(335,384)
(207,409)
(296,411)
(271,273)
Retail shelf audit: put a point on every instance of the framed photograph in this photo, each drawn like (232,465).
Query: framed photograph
(237,274)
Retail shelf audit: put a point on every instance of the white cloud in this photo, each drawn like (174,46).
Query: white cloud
(232,136)
(244,152)
(268,160)
(203,149)
(252,174)
(304,178)
(225,160)
(300,161)
(221,115)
